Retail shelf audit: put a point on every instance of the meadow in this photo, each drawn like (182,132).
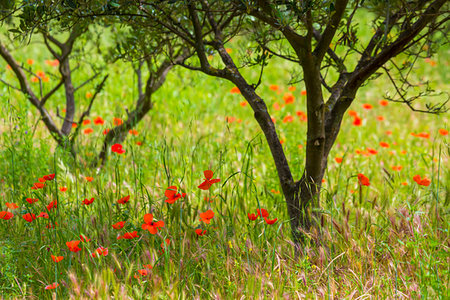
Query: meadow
(148,225)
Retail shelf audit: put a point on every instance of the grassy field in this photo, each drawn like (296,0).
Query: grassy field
(386,240)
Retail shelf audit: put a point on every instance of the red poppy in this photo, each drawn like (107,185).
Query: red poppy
(384,144)
(50,225)
(205,185)
(288,98)
(372,151)
(263,212)
(52,205)
(86,122)
(124,200)
(6,215)
(43,215)
(100,251)
(380,118)
(243,103)
(37,186)
(303,93)
(276,106)
(200,232)
(422,181)
(143,272)
(88,202)
(84,238)
(128,235)
(105,132)
(117,148)
(63,189)
(89,179)
(172,195)
(74,125)
(363,180)
(41,179)
(288,119)
(357,121)
(274,87)
(367,106)
(29,217)
(292,88)
(99,121)
(57,258)
(443,131)
(383,102)
(11,205)
(139,143)
(252,217)
(133,132)
(49,177)
(52,286)
(118,225)
(352,113)
(31,200)
(397,168)
(270,222)
(88,131)
(117,121)
(207,216)
(235,90)
(338,159)
(73,246)
(151,226)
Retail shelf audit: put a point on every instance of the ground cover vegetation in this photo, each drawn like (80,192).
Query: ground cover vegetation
(150,149)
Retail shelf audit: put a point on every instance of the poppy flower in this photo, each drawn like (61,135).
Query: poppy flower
(52,205)
(388,132)
(88,131)
(31,200)
(117,148)
(274,191)
(29,217)
(288,119)
(52,62)
(252,217)
(37,186)
(367,106)
(235,90)
(6,215)
(41,180)
(230,119)
(52,286)
(89,179)
(74,125)
(73,246)
(84,238)
(63,189)
(352,113)
(264,213)
(105,132)
(404,183)
(118,225)
(30,61)
(357,121)
(100,251)
(57,258)
(372,151)
(151,226)
(99,121)
(288,98)
(128,235)
(363,180)
(124,200)
(49,177)
(139,143)
(50,225)
(397,168)
(380,118)
(11,205)
(117,121)
(205,185)
(43,215)
(274,87)
(143,272)
(89,95)
(302,116)
(87,201)
(165,244)
(303,92)
(383,102)
(270,222)
(86,122)
(243,103)
(200,232)
(207,216)
(384,144)
(276,106)
(443,132)
(338,159)
(292,88)
(172,195)
(422,181)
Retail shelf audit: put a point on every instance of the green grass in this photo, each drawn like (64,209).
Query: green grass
(387,240)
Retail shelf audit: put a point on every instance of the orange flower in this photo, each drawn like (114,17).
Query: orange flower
(89,179)
(302,116)
(338,159)
(422,181)
(139,143)
(133,132)
(397,168)
(207,216)
(37,185)
(229,50)
(11,205)
(357,121)
(276,106)
(367,106)
(164,244)
(89,95)
(29,217)
(128,235)
(270,222)
(352,113)
(172,195)
(243,103)
(118,225)
(274,87)
(292,88)
(288,118)
(57,258)
(384,144)
(252,217)
(383,102)
(86,122)
(151,226)
(380,118)
(74,125)
(117,121)
(443,131)
(208,182)
(235,90)
(124,200)
(274,191)
(52,63)
(262,213)
(200,232)
(52,286)
(99,121)
(230,119)
(101,251)
(73,246)
(303,93)
(404,183)
(6,215)
(63,189)
(30,61)
(87,201)
(363,180)
(388,132)
(88,131)
(288,98)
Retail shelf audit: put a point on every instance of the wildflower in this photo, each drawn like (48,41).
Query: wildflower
(73,246)
(421,181)
(252,217)
(367,106)
(86,122)
(230,119)
(172,195)
(133,132)
(243,103)
(143,272)
(31,200)
(404,183)
(57,258)
(128,235)
(87,201)
(292,88)
(49,177)
(6,215)
(235,90)
(200,232)
(124,200)
(100,251)
(372,151)
(380,118)
(74,125)
(117,148)
(303,93)
(84,238)
(88,131)
(383,102)
(205,185)
(11,205)
(288,118)
(274,87)
(357,121)
(262,213)
(30,61)
(52,205)
(37,186)
(164,244)
(52,286)
(384,144)
(89,95)
(117,121)
(274,191)
(270,222)
(89,179)
(118,225)
(397,168)
(207,216)
(363,180)
(443,131)
(43,215)
(288,98)
(52,63)
(139,143)
(151,226)
(302,116)
(229,50)
(338,159)
(106,131)
(388,132)
(99,121)
(29,217)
